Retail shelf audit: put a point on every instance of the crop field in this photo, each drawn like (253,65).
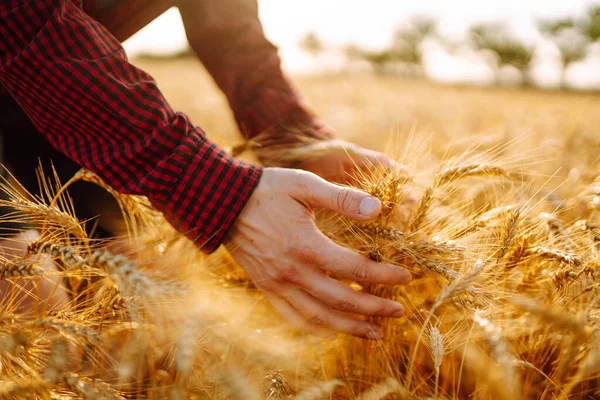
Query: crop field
(498,219)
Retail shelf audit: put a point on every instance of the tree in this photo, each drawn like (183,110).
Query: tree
(570,38)
(554,27)
(405,47)
(509,50)
(407,40)
(312,44)
(377,59)
(591,26)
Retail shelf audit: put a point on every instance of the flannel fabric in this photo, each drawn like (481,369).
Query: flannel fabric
(70,75)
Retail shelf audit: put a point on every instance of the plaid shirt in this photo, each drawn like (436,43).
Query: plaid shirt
(70,75)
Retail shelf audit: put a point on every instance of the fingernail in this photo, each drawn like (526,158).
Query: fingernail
(375,334)
(369,205)
(398,313)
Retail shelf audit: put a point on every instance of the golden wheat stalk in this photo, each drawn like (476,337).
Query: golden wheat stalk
(375,229)
(57,362)
(137,207)
(90,390)
(497,343)
(68,254)
(452,174)
(40,213)
(424,205)
(277,386)
(554,255)
(457,286)
(384,389)
(235,384)
(72,329)
(512,224)
(20,268)
(436,342)
(25,388)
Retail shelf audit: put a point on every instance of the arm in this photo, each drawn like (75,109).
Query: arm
(72,78)
(228,37)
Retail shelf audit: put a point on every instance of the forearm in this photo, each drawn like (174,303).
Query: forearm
(72,79)
(123,18)
(228,37)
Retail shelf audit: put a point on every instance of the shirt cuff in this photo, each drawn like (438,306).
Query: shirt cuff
(207,192)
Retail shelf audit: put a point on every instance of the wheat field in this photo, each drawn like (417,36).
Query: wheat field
(497,218)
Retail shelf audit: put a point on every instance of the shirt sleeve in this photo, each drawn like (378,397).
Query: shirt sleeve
(228,37)
(73,80)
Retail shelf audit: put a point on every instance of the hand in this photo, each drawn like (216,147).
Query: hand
(276,241)
(340,161)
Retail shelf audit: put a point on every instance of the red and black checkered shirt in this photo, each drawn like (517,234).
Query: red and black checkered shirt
(72,78)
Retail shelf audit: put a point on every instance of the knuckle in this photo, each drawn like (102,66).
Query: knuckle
(289,274)
(345,305)
(342,198)
(269,285)
(316,319)
(305,254)
(361,273)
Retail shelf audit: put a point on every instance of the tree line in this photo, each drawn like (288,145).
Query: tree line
(572,37)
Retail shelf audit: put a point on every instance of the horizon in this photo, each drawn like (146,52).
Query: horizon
(285,22)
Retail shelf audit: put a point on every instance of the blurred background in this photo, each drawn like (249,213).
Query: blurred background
(552,44)
(514,81)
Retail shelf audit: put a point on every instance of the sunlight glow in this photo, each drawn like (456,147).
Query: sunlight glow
(371,24)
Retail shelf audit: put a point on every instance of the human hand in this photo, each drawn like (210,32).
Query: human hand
(341,161)
(276,241)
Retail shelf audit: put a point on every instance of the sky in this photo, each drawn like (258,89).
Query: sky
(370,23)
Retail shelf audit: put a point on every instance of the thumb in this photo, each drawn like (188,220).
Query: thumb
(349,202)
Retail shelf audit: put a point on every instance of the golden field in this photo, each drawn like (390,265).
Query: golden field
(423,121)
(502,240)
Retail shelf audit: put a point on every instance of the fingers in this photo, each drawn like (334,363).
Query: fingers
(342,297)
(317,313)
(372,159)
(352,203)
(320,252)
(291,315)
(344,263)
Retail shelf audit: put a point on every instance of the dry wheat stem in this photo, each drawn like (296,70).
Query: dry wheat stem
(554,255)
(24,388)
(384,389)
(380,230)
(424,205)
(75,330)
(20,268)
(57,362)
(452,174)
(43,213)
(235,384)
(500,351)
(88,390)
(455,287)
(436,340)
(512,223)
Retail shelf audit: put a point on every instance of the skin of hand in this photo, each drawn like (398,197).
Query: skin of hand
(344,162)
(339,161)
(291,262)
